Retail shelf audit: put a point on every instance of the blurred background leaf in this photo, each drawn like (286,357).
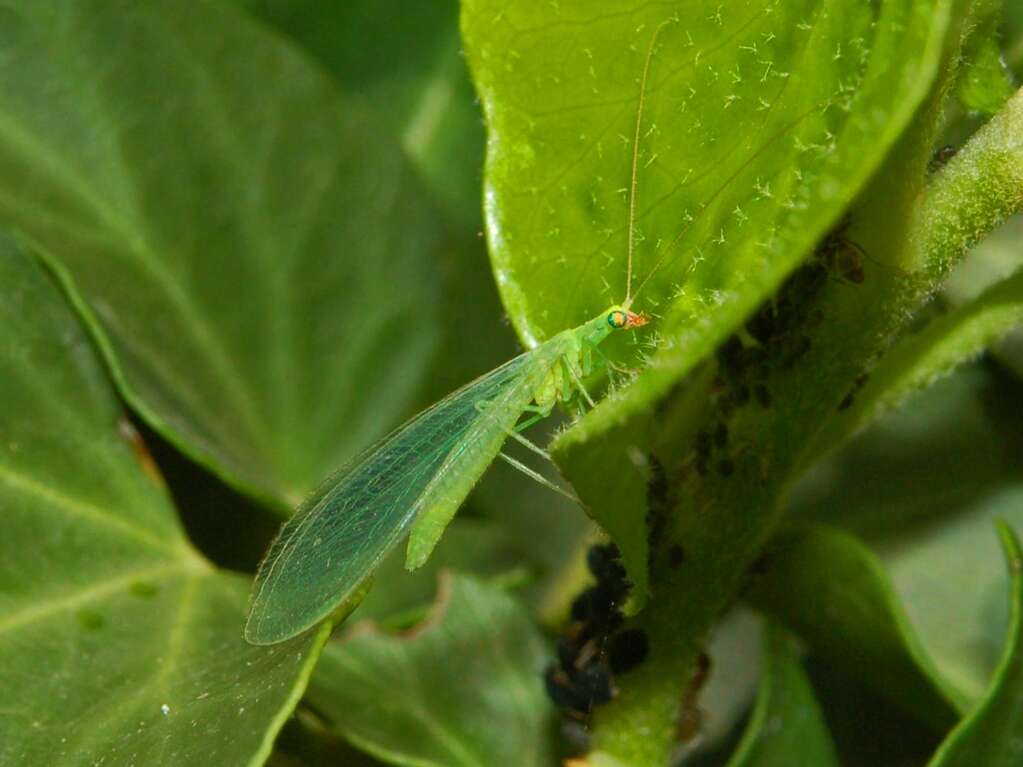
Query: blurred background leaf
(256,258)
(993,733)
(985,81)
(923,486)
(470,682)
(787,724)
(119,643)
(406,60)
(832,591)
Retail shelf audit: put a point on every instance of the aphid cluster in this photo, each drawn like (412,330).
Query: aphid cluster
(658,504)
(742,373)
(779,324)
(594,649)
(779,330)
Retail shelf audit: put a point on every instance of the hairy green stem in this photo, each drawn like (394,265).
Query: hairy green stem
(979,188)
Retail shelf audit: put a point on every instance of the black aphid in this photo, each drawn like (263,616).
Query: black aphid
(627,650)
(594,686)
(560,689)
(604,562)
(597,609)
(731,357)
(941,157)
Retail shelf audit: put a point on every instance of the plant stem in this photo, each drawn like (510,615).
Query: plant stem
(979,188)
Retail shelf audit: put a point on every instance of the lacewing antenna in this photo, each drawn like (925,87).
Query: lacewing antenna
(635,162)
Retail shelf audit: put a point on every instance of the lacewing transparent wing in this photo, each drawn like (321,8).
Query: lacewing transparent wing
(428,466)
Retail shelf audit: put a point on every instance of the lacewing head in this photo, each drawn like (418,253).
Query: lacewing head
(619,318)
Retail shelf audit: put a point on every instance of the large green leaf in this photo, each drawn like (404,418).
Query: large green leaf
(993,733)
(465,688)
(118,643)
(253,252)
(787,726)
(405,59)
(761,123)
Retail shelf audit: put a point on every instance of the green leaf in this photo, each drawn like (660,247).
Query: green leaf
(951,568)
(253,252)
(985,82)
(993,734)
(831,590)
(476,695)
(917,361)
(120,645)
(924,485)
(405,58)
(787,726)
(761,124)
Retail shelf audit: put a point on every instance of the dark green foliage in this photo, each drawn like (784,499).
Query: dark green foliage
(250,231)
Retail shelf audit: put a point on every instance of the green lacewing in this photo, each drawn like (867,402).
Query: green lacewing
(414,480)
